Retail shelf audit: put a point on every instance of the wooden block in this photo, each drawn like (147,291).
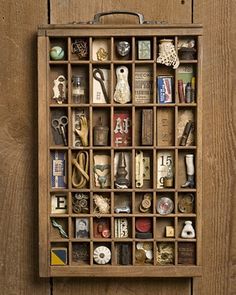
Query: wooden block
(58,256)
(58,204)
(147,127)
(165,123)
(170,231)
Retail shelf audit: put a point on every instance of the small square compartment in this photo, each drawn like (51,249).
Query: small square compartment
(102,228)
(189,232)
(122,127)
(122,81)
(58,91)
(165,228)
(79,50)
(101,169)
(59,228)
(80,253)
(123,253)
(101,127)
(102,254)
(58,169)
(165,169)
(60,53)
(144,228)
(186,126)
(80,127)
(144,253)
(143,169)
(59,127)
(101,86)
(123,169)
(80,84)
(101,203)
(80,160)
(122,228)
(59,203)
(187,203)
(122,48)
(143,84)
(80,203)
(165,254)
(122,203)
(101,49)
(143,203)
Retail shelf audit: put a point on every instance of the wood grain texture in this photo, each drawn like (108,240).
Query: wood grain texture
(67,11)
(18,154)
(219,208)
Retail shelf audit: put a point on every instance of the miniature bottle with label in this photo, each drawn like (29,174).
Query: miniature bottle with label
(78,89)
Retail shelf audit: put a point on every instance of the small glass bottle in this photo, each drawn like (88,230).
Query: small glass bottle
(78,89)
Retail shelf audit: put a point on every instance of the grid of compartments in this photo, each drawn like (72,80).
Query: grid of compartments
(122,168)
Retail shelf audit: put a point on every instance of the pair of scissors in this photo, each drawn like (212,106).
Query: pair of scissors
(59,125)
(101,80)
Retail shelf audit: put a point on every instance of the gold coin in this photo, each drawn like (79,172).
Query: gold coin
(146,203)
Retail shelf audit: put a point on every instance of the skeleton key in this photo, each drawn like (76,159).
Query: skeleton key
(59,125)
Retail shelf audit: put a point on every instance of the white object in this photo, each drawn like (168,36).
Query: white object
(188,231)
(122,91)
(189,164)
(102,255)
(167,54)
(59,89)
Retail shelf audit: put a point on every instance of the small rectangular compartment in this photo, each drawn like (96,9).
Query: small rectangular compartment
(122,127)
(58,169)
(101,166)
(80,253)
(122,81)
(59,203)
(57,85)
(143,84)
(102,253)
(166,126)
(81,228)
(144,126)
(144,253)
(143,169)
(80,203)
(122,203)
(143,203)
(79,49)
(101,203)
(122,48)
(165,203)
(123,253)
(186,127)
(144,228)
(186,169)
(101,126)
(144,48)
(165,169)
(122,169)
(101,228)
(165,253)
(59,254)
(59,228)
(80,169)
(101,87)
(186,79)
(80,84)
(165,228)
(122,227)
(101,49)
(80,127)
(59,127)
(58,49)
(187,203)
(186,228)
(186,253)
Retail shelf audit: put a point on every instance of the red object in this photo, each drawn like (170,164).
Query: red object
(106,233)
(143,224)
(122,129)
(181,91)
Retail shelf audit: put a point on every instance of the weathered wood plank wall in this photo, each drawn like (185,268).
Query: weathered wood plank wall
(18,138)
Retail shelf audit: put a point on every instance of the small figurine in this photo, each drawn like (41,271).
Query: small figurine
(82,132)
(122,91)
(190,171)
(167,54)
(188,231)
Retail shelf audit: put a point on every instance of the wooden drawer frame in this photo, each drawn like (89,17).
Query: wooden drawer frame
(151,32)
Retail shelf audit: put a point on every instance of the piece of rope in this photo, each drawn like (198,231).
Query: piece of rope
(80,176)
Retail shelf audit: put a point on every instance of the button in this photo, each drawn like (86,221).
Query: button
(143,224)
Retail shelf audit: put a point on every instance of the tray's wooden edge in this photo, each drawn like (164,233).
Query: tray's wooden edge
(126,271)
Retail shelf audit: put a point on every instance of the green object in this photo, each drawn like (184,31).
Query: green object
(57,53)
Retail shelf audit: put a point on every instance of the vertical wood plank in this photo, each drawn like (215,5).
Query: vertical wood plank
(174,12)
(219,112)
(18,153)
(67,11)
